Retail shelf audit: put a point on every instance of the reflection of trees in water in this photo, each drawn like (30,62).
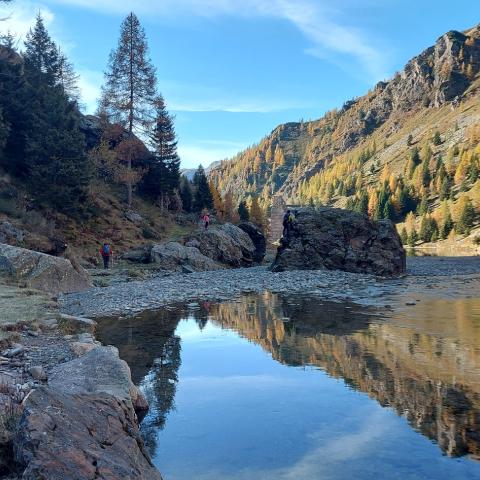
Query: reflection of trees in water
(396,365)
(160,387)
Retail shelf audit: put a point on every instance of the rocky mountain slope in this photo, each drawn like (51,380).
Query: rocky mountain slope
(432,105)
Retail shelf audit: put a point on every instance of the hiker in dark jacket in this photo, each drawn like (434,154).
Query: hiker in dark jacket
(106,252)
(288,219)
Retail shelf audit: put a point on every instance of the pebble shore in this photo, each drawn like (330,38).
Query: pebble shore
(135,296)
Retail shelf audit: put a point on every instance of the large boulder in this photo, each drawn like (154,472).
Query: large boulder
(176,257)
(258,239)
(338,239)
(225,244)
(43,272)
(81,437)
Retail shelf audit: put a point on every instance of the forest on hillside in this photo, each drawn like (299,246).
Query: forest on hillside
(56,163)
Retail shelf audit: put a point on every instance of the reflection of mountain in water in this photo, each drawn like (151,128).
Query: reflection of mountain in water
(430,379)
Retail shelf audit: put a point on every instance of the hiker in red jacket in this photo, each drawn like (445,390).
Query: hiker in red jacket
(106,252)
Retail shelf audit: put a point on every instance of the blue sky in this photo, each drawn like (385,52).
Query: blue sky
(232,70)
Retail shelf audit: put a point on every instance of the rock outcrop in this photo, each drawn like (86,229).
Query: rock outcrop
(217,247)
(83,424)
(175,257)
(225,244)
(338,239)
(41,271)
(258,239)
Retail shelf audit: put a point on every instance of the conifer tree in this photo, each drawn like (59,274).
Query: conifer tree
(163,177)
(217,200)
(186,194)
(404,236)
(129,95)
(231,215)
(243,212)
(437,139)
(466,218)
(203,197)
(41,53)
(256,214)
(66,77)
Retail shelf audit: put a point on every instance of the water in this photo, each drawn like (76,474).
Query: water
(281,388)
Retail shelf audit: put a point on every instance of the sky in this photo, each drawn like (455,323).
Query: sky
(232,70)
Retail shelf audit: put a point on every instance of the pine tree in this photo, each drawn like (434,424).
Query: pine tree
(59,171)
(404,236)
(447,226)
(231,215)
(163,178)
(217,200)
(186,194)
(466,218)
(41,53)
(256,214)
(66,77)
(243,212)
(203,197)
(129,95)
(437,139)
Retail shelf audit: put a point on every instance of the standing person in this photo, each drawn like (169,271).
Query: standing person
(106,252)
(206,221)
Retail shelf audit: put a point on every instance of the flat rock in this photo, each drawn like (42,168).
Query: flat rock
(38,373)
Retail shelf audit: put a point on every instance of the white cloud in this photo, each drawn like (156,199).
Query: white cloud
(89,84)
(194,154)
(20,17)
(322,25)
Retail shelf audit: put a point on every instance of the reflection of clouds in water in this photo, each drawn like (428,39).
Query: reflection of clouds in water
(328,459)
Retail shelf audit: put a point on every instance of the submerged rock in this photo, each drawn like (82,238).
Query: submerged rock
(335,239)
(43,272)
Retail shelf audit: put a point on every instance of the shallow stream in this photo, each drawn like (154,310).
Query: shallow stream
(291,387)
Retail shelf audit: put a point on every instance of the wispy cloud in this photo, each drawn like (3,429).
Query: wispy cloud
(20,17)
(324,27)
(199,153)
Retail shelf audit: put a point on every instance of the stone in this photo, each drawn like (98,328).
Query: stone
(134,217)
(335,239)
(40,271)
(138,255)
(225,244)
(9,233)
(16,349)
(98,371)
(82,437)
(73,325)
(81,348)
(38,373)
(173,256)
(258,239)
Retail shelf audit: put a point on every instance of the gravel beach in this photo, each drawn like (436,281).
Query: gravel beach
(131,297)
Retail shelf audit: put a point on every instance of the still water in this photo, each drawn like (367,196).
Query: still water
(291,387)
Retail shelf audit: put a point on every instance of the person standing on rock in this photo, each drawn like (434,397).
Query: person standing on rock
(287,223)
(106,252)
(206,221)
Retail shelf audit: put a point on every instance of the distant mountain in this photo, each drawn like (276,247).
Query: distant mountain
(364,155)
(190,172)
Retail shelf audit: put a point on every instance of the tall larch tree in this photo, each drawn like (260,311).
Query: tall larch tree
(129,95)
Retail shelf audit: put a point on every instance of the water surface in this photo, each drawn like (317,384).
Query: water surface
(275,387)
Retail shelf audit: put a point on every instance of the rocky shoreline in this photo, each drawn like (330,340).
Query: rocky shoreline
(125,299)
(56,362)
